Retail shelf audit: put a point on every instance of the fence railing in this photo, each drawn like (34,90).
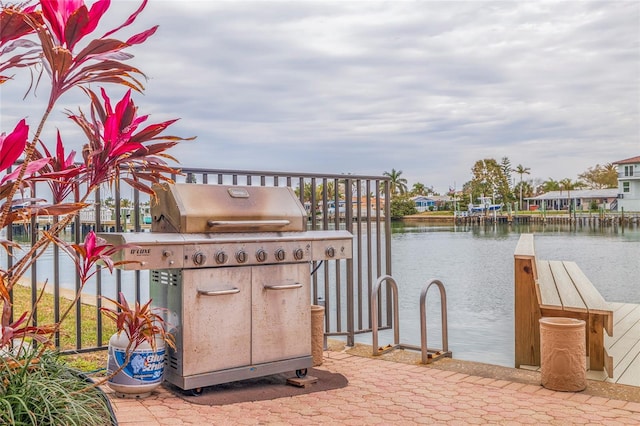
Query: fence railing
(358,204)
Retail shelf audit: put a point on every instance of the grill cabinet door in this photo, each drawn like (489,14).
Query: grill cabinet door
(281,312)
(216,332)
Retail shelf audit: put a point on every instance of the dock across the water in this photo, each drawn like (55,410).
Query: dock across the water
(43,223)
(579,220)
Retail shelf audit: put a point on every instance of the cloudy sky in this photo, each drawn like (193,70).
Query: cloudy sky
(362,87)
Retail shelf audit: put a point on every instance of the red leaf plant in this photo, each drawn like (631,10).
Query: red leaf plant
(54,40)
(15,24)
(87,255)
(139,323)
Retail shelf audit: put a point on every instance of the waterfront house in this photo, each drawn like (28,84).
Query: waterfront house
(424,203)
(431,202)
(580,199)
(88,214)
(371,200)
(628,184)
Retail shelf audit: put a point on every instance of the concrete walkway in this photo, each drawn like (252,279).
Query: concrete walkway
(382,392)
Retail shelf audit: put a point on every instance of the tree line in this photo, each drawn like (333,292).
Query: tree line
(504,183)
(497,180)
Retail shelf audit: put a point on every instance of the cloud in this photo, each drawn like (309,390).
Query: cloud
(423,87)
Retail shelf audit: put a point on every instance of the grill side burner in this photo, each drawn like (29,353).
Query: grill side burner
(231,267)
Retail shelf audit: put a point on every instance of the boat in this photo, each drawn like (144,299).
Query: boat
(485,206)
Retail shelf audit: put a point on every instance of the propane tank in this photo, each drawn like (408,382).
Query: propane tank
(144,371)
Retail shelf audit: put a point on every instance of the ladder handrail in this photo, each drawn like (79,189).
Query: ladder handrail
(374,311)
(425,351)
(423,319)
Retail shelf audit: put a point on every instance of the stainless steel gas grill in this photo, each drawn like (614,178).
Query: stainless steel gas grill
(231,265)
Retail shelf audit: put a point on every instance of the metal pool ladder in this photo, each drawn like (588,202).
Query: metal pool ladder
(428,355)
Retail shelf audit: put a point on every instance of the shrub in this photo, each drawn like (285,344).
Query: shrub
(402,206)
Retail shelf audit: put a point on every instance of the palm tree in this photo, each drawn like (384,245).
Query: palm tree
(125,203)
(306,191)
(525,188)
(568,185)
(397,185)
(419,189)
(550,185)
(331,191)
(521,170)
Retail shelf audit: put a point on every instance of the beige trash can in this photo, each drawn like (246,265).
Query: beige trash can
(317,334)
(563,354)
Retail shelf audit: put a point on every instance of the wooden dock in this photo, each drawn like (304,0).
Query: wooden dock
(577,220)
(43,223)
(560,289)
(624,345)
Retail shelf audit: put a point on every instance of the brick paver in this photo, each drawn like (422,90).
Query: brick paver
(385,393)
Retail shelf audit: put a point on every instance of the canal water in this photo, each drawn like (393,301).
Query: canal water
(476,266)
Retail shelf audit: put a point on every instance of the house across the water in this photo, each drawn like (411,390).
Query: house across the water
(426,203)
(580,199)
(629,184)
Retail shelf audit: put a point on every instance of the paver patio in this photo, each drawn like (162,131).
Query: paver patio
(384,392)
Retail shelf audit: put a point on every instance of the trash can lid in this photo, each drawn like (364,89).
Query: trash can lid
(561,322)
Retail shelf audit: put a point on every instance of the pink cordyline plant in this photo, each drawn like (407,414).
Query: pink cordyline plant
(54,39)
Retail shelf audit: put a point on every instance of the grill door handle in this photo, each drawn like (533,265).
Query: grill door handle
(283,287)
(233,290)
(246,223)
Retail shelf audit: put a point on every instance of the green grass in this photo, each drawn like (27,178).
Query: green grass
(437,213)
(89,315)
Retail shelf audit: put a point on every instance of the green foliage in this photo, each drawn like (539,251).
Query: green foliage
(490,179)
(44,391)
(318,191)
(402,206)
(550,185)
(524,190)
(505,164)
(599,177)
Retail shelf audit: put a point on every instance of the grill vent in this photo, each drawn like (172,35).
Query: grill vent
(172,361)
(166,277)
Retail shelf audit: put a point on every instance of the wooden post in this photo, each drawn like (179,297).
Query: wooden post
(527,312)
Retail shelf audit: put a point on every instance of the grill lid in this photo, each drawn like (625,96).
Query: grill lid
(199,208)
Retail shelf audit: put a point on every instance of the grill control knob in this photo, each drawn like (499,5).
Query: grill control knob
(298,254)
(261,255)
(330,251)
(241,256)
(280,254)
(221,257)
(199,258)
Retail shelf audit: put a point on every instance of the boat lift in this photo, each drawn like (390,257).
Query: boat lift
(428,355)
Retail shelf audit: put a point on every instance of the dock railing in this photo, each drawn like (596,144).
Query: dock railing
(358,204)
